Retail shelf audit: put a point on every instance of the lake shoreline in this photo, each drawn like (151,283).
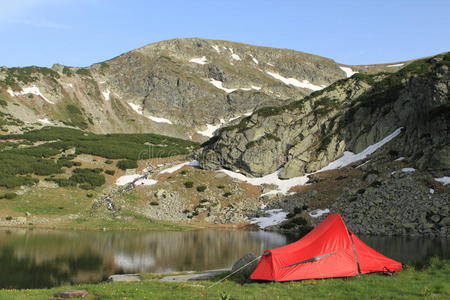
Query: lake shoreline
(410,283)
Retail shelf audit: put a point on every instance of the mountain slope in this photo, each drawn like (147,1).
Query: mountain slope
(183,87)
(306,135)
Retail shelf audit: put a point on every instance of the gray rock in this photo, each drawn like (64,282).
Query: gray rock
(246,265)
(71,294)
(124,278)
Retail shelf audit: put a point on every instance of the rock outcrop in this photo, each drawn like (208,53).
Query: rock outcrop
(306,135)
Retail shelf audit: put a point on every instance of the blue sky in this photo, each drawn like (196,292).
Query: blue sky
(82,32)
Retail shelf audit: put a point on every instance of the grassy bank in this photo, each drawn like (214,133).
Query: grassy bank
(429,283)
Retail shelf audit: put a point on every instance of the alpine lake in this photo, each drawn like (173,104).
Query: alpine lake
(47,258)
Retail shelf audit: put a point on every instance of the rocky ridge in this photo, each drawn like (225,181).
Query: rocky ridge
(183,87)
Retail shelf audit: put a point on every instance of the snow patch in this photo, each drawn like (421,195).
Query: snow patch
(285,185)
(348,71)
(45,121)
(215,47)
(145,181)
(126,179)
(319,212)
(294,82)
(234,56)
(251,88)
(219,84)
(444,180)
(159,120)
(396,65)
(210,129)
(408,170)
(350,157)
(106,94)
(200,61)
(175,168)
(138,109)
(29,90)
(400,158)
(254,59)
(276,216)
(431,191)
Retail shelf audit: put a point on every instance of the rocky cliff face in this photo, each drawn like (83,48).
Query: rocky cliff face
(183,87)
(349,115)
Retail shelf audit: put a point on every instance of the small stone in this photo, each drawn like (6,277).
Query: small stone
(27,214)
(71,294)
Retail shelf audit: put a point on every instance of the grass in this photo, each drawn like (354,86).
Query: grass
(17,164)
(27,75)
(430,283)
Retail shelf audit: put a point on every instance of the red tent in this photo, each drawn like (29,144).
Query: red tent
(330,250)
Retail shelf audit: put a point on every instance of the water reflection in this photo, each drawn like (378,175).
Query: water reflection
(44,258)
(409,250)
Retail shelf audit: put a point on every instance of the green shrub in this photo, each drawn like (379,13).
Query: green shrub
(108,161)
(227,194)
(183,172)
(11,181)
(83,72)
(89,195)
(62,162)
(220,187)
(104,66)
(299,221)
(3,102)
(127,164)
(63,182)
(111,146)
(67,71)
(8,196)
(88,170)
(188,184)
(88,176)
(76,117)
(110,172)
(201,188)
(86,186)
(26,75)
(154,203)
(298,210)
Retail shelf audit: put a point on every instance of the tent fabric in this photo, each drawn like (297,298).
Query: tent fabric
(329,250)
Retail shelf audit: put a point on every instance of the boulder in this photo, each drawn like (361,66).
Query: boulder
(71,294)
(21,219)
(248,263)
(124,278)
